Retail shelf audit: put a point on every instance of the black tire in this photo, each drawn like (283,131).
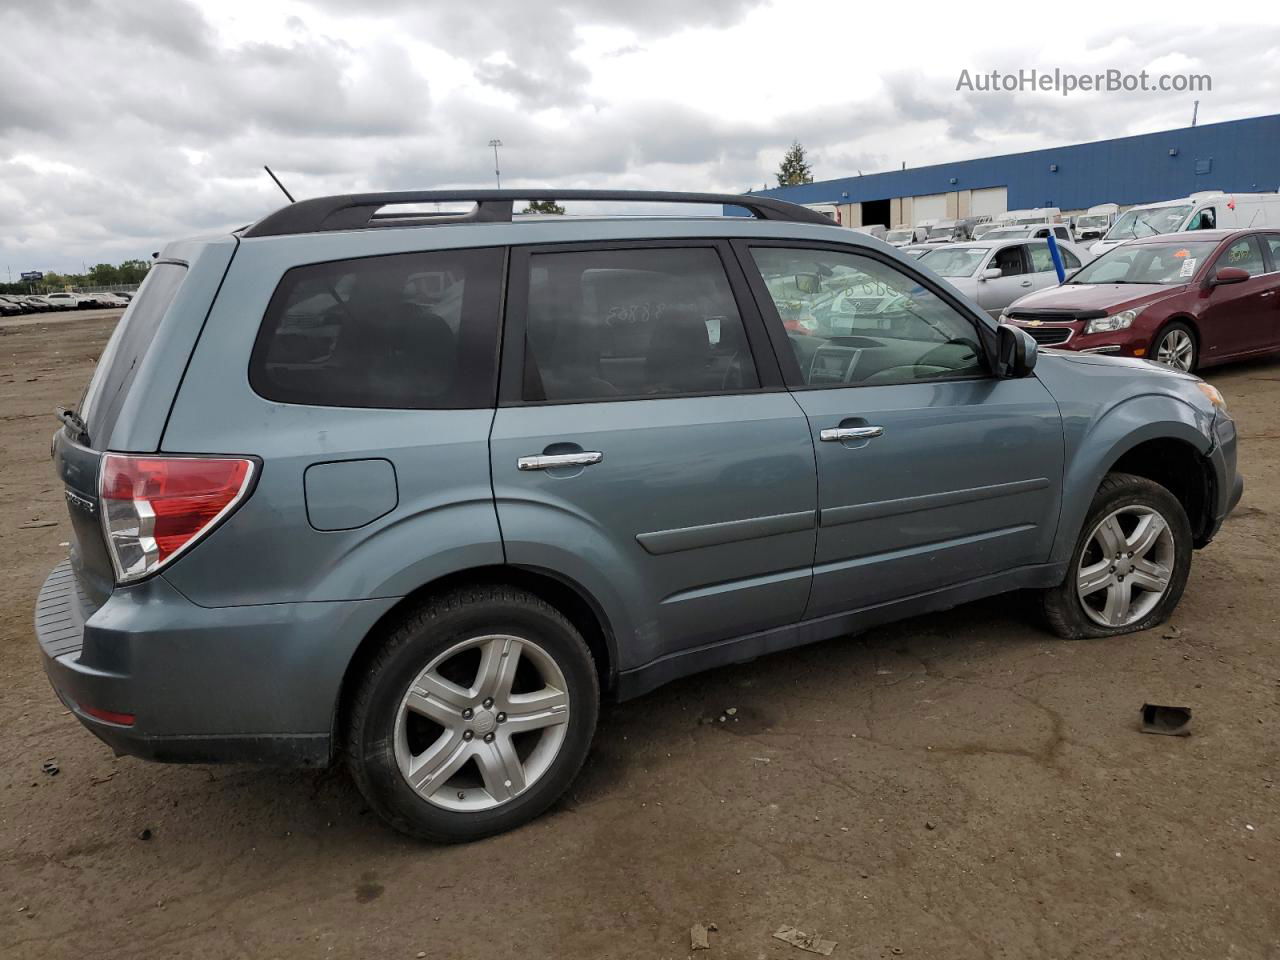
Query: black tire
(408,647)
(1064,609)
(1166,331)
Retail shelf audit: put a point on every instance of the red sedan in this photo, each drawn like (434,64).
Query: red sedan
(1189,300)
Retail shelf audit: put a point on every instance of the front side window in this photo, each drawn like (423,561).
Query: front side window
(408,331)
(1009,261)
(638,323)
(1206,219)
(1244,254)
(1042,259)
(852,320)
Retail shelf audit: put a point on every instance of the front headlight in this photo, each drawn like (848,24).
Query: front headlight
(1117,321)
(1213,394)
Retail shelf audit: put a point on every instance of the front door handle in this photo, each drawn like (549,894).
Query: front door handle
(546,461)
(1025,283)
(838,434)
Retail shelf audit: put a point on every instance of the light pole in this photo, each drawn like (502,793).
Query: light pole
(497,174)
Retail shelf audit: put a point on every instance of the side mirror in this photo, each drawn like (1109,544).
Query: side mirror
(991,273)
(1016,352)
(1228,275)
(808,283)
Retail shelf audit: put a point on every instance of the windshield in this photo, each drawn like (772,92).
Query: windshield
(940,231)
(982,230)
(893,236)
(1098,220)
(1031,220)
(1149,222)
(1164,263)
(1000,233)
(955,261)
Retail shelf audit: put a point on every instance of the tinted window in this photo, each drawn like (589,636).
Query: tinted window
(123,354)
(413,331)
(1245,254)
(855,321)
(1008,260)
(1273,243)
(1042,259)
(609,324)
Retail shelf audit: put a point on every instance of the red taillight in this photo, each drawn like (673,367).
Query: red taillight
(155,507)
(110,716)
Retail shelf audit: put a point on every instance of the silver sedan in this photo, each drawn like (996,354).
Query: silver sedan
(994,273)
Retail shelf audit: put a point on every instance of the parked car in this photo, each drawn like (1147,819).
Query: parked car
(948,231)
(69,301)
(1060,231)
(110,300)
(1189,301)
(11,308)
(901,236)
(1207,210)
(994,273)
(39,304)
(429,537)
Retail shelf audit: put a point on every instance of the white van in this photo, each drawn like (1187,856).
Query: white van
(1210,210)
(1096,221)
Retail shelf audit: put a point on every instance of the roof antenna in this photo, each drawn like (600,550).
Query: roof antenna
(278,183)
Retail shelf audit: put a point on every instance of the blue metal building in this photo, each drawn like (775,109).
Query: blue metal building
(1241,156)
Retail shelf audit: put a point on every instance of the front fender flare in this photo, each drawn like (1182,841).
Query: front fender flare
(1124,426)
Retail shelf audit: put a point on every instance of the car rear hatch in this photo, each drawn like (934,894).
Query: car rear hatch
(130,395)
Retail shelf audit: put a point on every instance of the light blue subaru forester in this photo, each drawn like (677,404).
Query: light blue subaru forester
(418,489)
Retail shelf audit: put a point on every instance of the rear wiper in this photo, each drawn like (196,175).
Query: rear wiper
(79,429)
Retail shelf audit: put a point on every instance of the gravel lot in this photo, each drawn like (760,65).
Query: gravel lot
(959,785)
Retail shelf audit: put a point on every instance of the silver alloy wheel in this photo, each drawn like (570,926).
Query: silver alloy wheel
(1176,349)
(1126,566)
(515,688)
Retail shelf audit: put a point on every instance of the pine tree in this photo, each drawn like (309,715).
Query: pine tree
(794,168)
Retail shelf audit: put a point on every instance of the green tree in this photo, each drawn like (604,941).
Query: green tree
(794,167)
(133,271)
(544,206)
(104,275)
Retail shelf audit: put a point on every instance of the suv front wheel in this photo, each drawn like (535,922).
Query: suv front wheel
(1130,564)
(474,716)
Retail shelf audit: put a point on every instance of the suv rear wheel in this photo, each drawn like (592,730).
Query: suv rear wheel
(475,715)
(1130,564)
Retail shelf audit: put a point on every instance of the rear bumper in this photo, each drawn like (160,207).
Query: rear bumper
(254,683)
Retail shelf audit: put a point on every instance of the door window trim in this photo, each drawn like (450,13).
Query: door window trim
(772,320)
(511,368)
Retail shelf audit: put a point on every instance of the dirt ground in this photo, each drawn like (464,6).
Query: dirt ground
(959,785)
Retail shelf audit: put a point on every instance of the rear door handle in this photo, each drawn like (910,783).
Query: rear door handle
(837,434)
(546,461)
(1025,283)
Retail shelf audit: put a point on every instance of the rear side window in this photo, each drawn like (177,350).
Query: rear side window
(611,324)
(411,331)
(133,335)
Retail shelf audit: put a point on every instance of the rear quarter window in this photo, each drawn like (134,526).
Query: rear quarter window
(405,331)
(133,335)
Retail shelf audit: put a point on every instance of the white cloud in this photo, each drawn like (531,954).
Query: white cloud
(154,119)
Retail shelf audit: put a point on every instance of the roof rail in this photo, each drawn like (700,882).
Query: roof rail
(357,211)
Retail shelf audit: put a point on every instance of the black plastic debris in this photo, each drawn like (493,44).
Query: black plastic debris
(1167,721)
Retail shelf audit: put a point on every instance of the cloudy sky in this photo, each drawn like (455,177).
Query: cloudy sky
(124,123)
